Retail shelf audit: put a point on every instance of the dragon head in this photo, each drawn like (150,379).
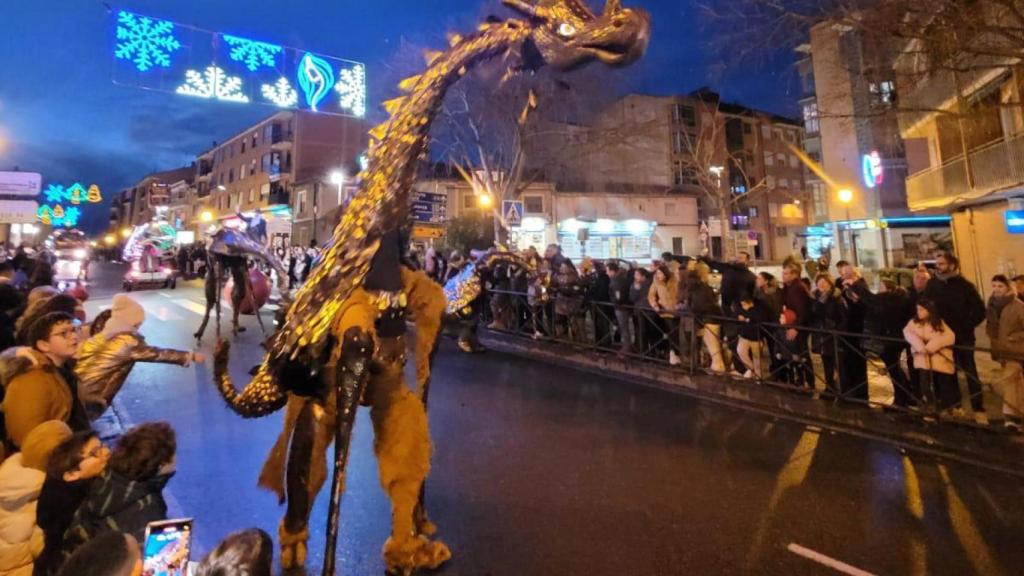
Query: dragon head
(567,34)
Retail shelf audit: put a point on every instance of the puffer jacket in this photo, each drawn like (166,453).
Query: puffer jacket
(21,541)
(105,360)
(117,503)
(36,391)
(932,349)
(662,297)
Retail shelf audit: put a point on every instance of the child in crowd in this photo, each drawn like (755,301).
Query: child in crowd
(129,493)
(931,342)
(109,554)
(21,479)
(74,465)
(752,314)
(246,553)
(105,360)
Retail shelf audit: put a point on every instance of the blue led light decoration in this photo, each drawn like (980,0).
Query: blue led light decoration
(316,78)
(145,42)
(252,53)
(352,88)
(213,84)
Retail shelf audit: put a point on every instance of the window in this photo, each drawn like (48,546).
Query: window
(820,201)
(243,146)
(778,134)
(794,162)
(766,132)
(769,181)
(469,201)
(241,172)
(252,195)
(678,142)
(254,141)
(268,133)
(231,175)
(780,159)
(753,212)
(685,175)
(811,117)
(746,127)
(883,94)
(769,158)
(533,204)
(265,190)
(300,202)
(683,114)
(773,210)
(783,183)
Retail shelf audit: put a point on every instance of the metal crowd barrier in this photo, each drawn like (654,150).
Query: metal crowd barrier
(874,371)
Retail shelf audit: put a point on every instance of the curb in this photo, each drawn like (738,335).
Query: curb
(965,444)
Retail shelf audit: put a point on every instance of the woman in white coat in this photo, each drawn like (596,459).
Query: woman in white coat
(931,342)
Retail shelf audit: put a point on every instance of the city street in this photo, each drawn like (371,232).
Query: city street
(545,470)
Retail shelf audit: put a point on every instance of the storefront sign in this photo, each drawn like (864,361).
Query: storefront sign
(1014,221)
(26,184)
(871,166)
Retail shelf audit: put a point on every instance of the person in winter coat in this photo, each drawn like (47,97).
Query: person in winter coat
(797,299)
(931,343)
(42,386)
(105,360)
(129,493)
(751,314)
(853,364)
(662,299)
(827,313)
(599,294)
(737,280)
(568,291)
(888,312)
(703,304)
(769,295)
(1005,328)
(21,479)
(73,467)
(646,333)
(618,286)
(961,306)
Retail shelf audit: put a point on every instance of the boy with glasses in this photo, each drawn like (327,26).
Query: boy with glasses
(43,386)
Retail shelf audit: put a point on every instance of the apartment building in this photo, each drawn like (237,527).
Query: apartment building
(965,151)
(852,125)
(666,146)
(258,166)
(138,204)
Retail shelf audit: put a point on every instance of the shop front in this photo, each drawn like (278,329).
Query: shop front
(531,233)
(605,238)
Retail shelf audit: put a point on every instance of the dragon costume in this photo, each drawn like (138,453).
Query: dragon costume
(342,341)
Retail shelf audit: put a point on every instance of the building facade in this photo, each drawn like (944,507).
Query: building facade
(666,147)
(852,123)
(259,166)
(965,150)
(138,204)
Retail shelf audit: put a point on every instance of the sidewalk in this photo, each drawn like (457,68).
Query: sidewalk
(965,443)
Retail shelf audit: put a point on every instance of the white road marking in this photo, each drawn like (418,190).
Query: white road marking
(824,560)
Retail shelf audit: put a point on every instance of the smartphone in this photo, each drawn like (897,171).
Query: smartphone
(167,546)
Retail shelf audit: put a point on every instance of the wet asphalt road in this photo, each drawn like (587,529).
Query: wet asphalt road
(545,470)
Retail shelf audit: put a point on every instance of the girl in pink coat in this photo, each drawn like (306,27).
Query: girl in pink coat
(931,342)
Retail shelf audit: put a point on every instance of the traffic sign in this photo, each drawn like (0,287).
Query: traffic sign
(18,211)
(22,184)
(512,210)
(429,207)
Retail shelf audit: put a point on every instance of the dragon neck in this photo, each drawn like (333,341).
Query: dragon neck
(402,140)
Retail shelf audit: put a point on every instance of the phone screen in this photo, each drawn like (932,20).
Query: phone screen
(167,547)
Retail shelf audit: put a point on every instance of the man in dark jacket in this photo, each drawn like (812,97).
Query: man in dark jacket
(962,308)
(796,299)
(853,364)
(618,286)
(888,313)
(737,280)
(599,295)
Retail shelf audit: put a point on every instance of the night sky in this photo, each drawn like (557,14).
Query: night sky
(61,115)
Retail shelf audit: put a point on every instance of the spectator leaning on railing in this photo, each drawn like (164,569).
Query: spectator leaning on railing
(888,312)
(1005,328)
(828,311)
(703,304)
(931,342)
(619,290)
(853,366)
(797,300)
(662,298)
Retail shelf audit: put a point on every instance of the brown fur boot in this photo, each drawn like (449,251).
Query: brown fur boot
(293,547)
(413,553)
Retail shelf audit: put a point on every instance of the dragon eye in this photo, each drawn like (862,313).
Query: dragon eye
(567,30)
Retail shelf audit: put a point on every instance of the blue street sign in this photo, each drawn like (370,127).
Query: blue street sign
(512,211)
(1014,221)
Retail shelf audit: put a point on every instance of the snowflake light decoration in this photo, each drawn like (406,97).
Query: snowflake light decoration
(71,216)
(146,42)
(54,193)
(214,84)
(352,87)
(254,54)
(281,93)
(316,78)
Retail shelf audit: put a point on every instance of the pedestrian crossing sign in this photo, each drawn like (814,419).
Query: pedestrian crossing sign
(512,211)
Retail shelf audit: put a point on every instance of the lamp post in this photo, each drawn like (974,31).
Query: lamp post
(845,197)
(338,178)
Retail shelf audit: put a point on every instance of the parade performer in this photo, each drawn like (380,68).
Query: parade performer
(343,337)
(106,359)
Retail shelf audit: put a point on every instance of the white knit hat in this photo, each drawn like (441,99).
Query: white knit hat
(126,311)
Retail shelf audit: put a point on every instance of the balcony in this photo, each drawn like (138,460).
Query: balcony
(279,195)
(994,167)
(280,139)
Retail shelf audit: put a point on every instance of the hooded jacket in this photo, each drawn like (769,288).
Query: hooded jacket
(37,391)
(105,360)
(21,541)
(117,503)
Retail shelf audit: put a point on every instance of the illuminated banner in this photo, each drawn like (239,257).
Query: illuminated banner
(169,57)
(53,211)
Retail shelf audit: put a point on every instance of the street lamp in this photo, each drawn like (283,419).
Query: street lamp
(485,200)
(845,197)
(126,232)
(338,179)
(206,216)
(109,239)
